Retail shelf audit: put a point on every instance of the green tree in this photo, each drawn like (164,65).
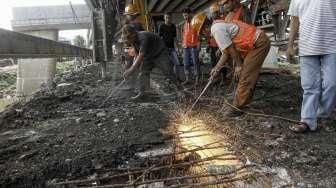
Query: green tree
(79,41)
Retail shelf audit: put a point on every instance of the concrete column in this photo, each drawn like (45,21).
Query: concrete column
(33,72)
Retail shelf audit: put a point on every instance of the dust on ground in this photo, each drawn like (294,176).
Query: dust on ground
(68,133)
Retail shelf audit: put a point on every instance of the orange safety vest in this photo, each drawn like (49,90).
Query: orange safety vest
(189,36)
(244,39)
(234,15)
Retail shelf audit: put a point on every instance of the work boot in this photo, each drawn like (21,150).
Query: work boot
(232,112)
(197,81)
(187,80)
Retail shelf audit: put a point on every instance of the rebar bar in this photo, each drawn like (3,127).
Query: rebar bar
(202,175)
(74,182)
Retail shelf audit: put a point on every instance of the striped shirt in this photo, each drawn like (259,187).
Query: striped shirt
(317,27)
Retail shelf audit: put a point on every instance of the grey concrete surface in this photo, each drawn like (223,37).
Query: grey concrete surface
(34,72)
(51,17)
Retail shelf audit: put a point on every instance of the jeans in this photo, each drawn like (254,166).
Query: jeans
(318,80)
(173,57)
(190,57)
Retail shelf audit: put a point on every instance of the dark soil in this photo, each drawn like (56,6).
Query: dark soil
(65,134)
(309,158)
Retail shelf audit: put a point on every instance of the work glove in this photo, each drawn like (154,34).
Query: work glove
(214,72)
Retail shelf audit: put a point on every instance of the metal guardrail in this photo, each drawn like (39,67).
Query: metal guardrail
(51,21)
(15,44)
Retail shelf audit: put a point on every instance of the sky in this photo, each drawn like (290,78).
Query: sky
(6,13)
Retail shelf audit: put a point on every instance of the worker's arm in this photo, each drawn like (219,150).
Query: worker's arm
(294,30)
(136,64)
(220,64)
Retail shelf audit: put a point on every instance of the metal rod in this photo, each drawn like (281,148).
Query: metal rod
(112,92)
(74,182)
(202,175)
(205,88)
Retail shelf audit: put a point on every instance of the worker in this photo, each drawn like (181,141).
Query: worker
(132,17)
(316,22)
(190,45)
(226,10)
(152,53)
(167,31)
(247,46)
(236,11)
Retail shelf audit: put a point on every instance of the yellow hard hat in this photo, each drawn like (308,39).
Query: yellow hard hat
(214,8)
(197,22)
(131,9)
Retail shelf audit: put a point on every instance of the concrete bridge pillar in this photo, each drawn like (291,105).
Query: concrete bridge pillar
(33,72)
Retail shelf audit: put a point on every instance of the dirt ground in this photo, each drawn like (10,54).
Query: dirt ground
(309,158)
(70,133)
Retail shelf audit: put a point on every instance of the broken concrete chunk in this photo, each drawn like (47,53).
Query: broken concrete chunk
(152,185)
(101,114)
(155,152)
(78,120)
(222,169)
(70,134)
(271,143)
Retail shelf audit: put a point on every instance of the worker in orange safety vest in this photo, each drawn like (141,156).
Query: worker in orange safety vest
(247,46)
(190,45)
(226,10)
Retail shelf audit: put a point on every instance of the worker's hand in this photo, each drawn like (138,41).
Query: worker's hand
(127,73)
(290,54)
(214,72)
(237,72)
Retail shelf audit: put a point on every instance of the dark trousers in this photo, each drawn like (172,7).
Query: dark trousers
(162,62)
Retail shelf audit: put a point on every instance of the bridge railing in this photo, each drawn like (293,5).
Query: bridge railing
(51,21)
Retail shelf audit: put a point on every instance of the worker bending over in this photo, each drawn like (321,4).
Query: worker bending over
(226,10)
(151,53)
(131,17)
(247,46)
